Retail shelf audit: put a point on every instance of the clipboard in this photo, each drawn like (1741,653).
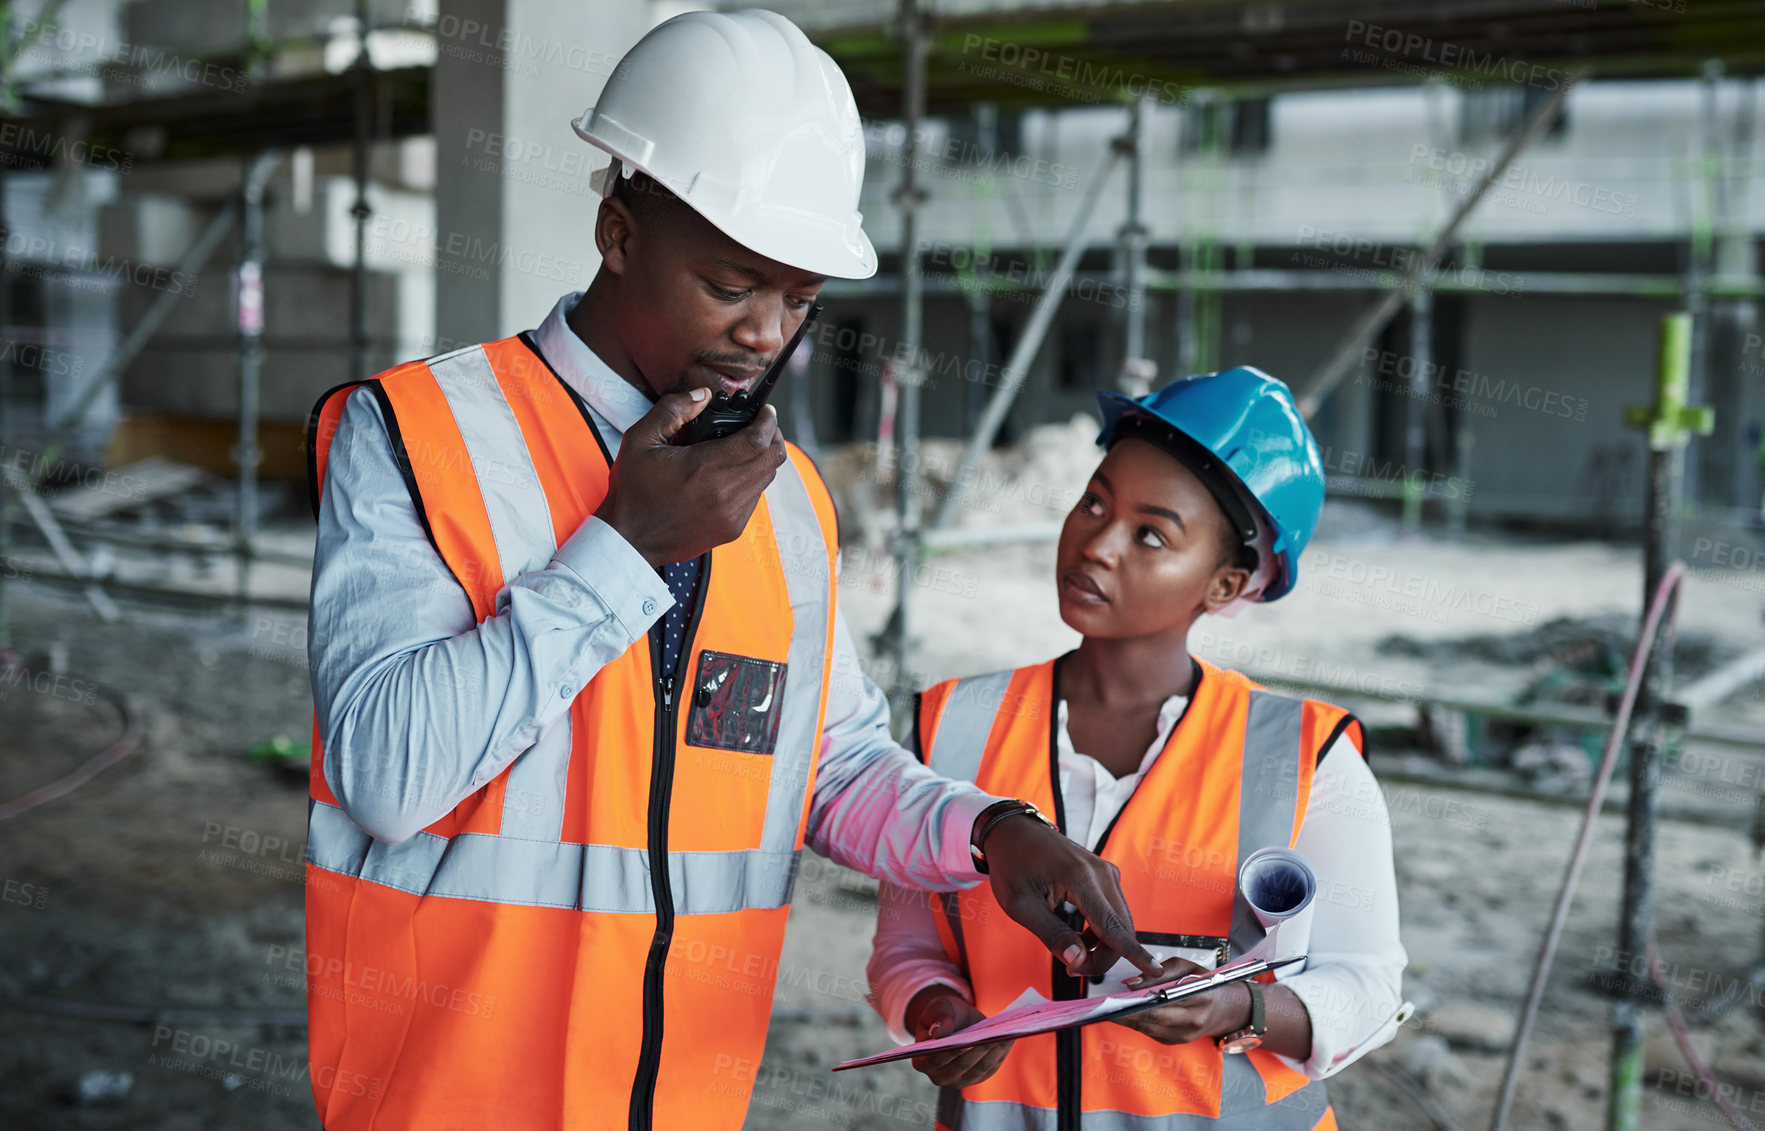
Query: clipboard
(1031,1014)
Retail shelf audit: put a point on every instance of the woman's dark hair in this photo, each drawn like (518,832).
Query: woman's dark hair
(1234,550)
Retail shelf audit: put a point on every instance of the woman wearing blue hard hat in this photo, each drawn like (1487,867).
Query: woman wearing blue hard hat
(1177,772)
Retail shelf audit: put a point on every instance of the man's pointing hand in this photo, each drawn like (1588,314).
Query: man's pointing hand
(1035,869)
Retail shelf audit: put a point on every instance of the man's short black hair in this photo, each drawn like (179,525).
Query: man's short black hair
(642,194)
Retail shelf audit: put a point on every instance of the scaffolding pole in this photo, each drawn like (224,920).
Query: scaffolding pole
(138,336)
(1701,255)
(5,419)
(1335,368)
(1469,280)
(363,73)
(1011,381)
(908,198)
(248,309)
(1669,422)
(980,299)
(1137,370)
(1415,428)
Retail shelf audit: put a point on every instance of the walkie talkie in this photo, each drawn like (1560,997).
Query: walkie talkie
(726,414)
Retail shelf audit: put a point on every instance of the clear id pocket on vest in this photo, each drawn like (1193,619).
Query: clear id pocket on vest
(735,703)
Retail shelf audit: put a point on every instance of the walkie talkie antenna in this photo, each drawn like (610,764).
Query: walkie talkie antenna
(762,389)
(726,414)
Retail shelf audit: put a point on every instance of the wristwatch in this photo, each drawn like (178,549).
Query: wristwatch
(992,815)
(1249,1037)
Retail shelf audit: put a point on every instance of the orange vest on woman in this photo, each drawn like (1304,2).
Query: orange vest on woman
(1234,776)
(591,939)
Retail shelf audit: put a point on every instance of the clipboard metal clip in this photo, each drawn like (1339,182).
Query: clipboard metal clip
(1225,975)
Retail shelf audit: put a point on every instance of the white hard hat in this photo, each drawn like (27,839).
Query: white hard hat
(739,115)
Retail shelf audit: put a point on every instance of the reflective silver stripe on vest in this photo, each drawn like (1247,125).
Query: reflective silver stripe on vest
(521,526)
(536,873)
(1298,1111)
(514,500)
(527,863)
(803,555)
(1268,792)
(965,724)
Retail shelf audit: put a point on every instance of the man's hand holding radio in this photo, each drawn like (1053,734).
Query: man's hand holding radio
(674,503)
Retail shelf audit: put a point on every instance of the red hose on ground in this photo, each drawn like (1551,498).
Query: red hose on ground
(93,766)
(1664,598)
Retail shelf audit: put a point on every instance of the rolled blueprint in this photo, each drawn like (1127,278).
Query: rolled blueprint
(1280,887)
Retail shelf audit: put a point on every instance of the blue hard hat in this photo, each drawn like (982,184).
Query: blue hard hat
(1241,433)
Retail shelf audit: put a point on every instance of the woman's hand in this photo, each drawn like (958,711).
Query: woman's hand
(1211,1014)
(938,1011)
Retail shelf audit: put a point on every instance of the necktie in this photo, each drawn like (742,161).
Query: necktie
(683,582)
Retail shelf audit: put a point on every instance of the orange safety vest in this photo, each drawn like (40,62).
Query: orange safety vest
(591,939)
(1234,776)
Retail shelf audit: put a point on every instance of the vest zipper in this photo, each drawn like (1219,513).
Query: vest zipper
(1069,1103)
(1069,1049)
(649,1058)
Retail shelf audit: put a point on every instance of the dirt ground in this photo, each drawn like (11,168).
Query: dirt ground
(173,881)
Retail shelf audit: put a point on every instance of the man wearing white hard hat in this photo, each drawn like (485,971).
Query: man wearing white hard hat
(582,690)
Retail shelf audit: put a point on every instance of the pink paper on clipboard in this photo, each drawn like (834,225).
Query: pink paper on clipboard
(1032,1013)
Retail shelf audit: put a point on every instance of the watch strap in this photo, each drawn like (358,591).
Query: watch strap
(1249,1037)
(991,816)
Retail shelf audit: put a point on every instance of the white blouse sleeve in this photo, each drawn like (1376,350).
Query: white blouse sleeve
(907,956)
(1353,983)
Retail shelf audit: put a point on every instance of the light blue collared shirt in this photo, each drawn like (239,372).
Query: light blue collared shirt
(419,704)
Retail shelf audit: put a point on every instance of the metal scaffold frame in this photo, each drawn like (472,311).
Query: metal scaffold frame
(246,215)
(1684,358)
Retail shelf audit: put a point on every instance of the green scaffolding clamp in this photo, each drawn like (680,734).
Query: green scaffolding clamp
(1670,421)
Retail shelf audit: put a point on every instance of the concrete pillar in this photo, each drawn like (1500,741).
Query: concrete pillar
(514,212)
